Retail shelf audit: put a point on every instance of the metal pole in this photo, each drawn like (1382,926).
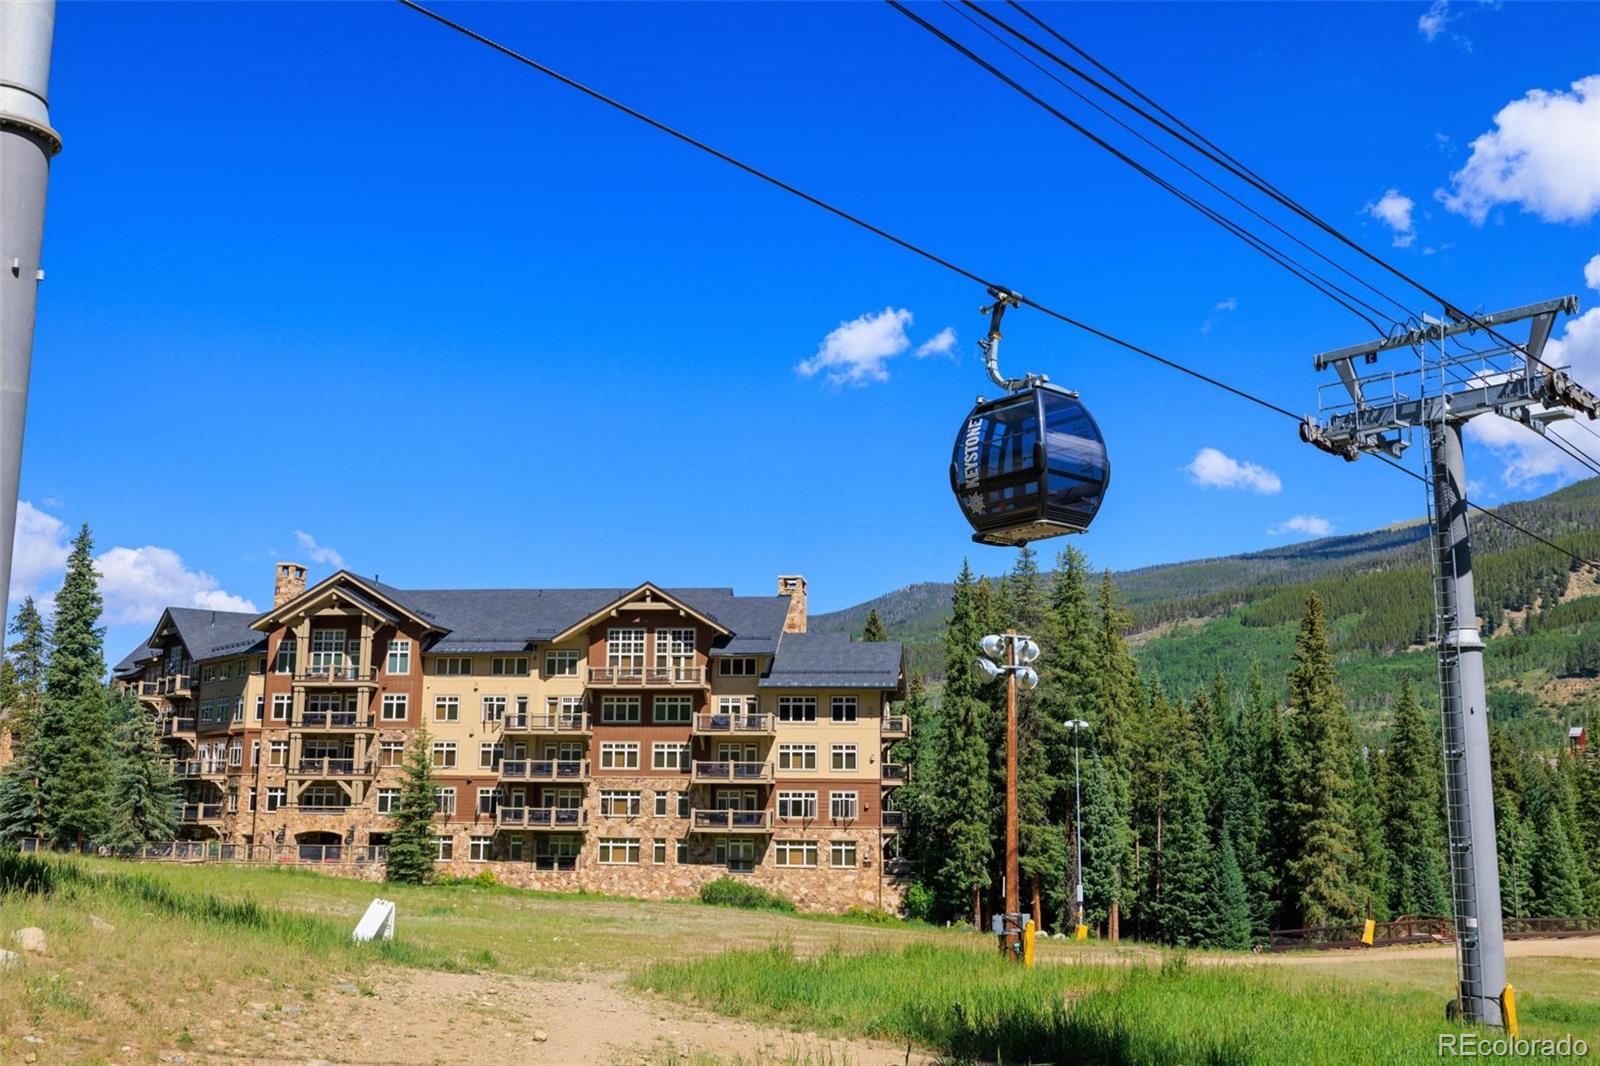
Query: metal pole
(1012,928)
(1475,872)
(26,145)
(1077,817)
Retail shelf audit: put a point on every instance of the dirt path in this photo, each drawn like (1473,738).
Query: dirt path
(1576,947)
(414,1017)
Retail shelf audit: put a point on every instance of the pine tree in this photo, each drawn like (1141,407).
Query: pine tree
(1114,696)
(21,701)
(1557,884)
(1186,912)
(1372,874)
(1514,833)
(1272,762)
(20,817)
(1244,821)
(1153,757)
(1323,867)
(1106,844)
(874,633)
(73,735)
(412,846)
(1231,924)
(142,811)
(1413,813)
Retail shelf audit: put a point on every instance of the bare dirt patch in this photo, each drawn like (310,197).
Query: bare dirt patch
(1577,947)
(412,1017)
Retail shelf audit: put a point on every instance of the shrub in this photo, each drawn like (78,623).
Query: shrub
(871,915)
(481,879)
(918,903)
(727,892)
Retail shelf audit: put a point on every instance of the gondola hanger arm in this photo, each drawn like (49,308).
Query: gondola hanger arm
(990,345)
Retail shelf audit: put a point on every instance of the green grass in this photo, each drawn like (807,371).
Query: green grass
(728,892)
(969,1004)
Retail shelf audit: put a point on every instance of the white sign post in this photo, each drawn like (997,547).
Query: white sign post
(377,922)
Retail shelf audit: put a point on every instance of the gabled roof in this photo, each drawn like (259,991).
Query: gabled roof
(133,662)
(207,634)
(363,592)
(646,592)
(816,660)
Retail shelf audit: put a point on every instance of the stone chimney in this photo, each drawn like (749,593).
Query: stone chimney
(291,582)
(794,587)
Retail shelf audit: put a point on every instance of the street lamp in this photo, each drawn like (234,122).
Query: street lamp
(1017,651)
(1080,929)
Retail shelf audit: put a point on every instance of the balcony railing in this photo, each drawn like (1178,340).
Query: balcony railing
(174,685)
(555,862)
(171,726)
(894,819)
(731,772)
(336,675)
(563,722)
(729,723)
(334,720)
(896,726)
(331,766)
(185,768)
(318,808)
(545,769)
(707,821)
(148,689)
(542,817)
(197,812)
(893,771)
(646,676)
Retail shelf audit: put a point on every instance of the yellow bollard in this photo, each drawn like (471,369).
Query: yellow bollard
(1508,1009)
(1367,931)
(1027,944)
(1081,933)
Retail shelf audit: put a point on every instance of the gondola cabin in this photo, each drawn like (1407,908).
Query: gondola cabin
(1029,465)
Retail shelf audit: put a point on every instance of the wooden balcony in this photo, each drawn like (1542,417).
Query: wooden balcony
(544,769)
(176,726)
(893,821)
(896,727)
(570,723)
(557,819)
(194,813)
(337,676)
(334,720)
(647,677)
(894,773)
(173,686)
(331,766)
(730,773)
(711,821)
(721,724)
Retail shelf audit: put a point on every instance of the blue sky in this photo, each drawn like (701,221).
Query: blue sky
(332,283)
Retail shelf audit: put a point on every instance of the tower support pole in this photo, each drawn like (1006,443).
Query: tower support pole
(1474,865)
(1013,927)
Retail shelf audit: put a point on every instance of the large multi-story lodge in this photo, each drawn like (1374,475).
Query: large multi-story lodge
(639,741)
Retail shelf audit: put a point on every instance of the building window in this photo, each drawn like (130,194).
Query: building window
(452,666)
(844,708)
(250,798)
(619,755)
(625,651)
(276,797)
(683,852)
(277,753)
(494,708)
(619,803)
(562,663)
(235,753)
(255,753)
(844,757)
(842,853)
(683,805)
(327,650)
(509,666)
(675,653)
(739,856)
(661,804)
(672,710)
(447,708)
(797,756)
(391,752)
(444,801)
(659,853)
(669,756)
(444,754)
(736,667)
(280,707)
(261,707)
(619,851)
(399,657)
(794,853)
(514,848)
(797,708)
(619,709)
(797,805)
(843,806)
(489,755)
(388,800)
(284,664)
(480,849)
(445,848)
(233,800)
(488,800)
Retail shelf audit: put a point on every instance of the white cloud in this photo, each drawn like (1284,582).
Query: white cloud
(317,553)
(1543,155)
(1310,524)
(1213,469)
(858,351)
(138,582)
(38,552)
(1394,211)
(1230,304)
(1434,20)
(1591,273)
(941,343)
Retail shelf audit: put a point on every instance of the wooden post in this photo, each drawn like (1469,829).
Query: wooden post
(1012,903)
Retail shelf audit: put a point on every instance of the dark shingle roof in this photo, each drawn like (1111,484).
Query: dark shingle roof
(133,662)
(213,634)
(816,660)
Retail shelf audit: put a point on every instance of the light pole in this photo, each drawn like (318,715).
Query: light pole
(1076,725)
(1018,651)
